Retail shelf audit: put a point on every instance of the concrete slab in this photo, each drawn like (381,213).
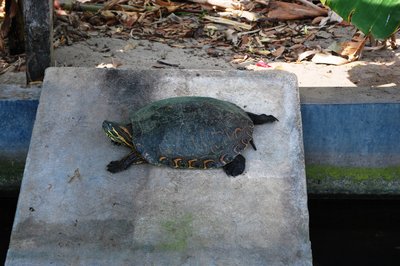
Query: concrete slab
(72,211)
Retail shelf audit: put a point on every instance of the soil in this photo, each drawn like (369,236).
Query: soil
(376,68)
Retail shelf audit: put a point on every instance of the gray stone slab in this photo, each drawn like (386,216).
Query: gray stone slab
(72,211)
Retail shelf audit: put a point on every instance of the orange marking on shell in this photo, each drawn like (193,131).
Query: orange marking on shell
(222,159)
(162,158)
(205,162)
(190,163)
(176,161)
(235,149)
(237,130)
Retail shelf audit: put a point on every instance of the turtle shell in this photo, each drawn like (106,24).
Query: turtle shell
(191,132)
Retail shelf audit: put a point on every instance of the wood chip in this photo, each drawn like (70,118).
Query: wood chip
(229,22)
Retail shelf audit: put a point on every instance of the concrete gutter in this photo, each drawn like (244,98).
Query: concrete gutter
(350,138)
(17,111)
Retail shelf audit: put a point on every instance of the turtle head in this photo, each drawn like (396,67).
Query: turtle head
(118,133)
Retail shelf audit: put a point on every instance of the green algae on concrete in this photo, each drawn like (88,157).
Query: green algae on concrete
(177,232)
(328,179)
(11,172)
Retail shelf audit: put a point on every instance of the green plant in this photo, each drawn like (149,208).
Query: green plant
(380,18)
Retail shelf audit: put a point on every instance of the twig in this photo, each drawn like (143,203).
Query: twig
(248,32)
(167,64)
(229,22)
(96,7)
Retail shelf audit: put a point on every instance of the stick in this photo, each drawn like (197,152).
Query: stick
(95,7)
(229,22)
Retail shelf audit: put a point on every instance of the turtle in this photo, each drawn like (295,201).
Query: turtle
(189,132)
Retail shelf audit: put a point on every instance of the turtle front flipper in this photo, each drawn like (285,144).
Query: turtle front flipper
(261,119)
(124,163)
(236,167)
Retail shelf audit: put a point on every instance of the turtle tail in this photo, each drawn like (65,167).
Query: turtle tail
(261,119)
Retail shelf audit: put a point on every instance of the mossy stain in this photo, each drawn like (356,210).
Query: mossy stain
(177,233)
(321,172)
(11,173)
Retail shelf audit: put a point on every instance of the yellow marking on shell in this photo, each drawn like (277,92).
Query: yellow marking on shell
(176,161)
(249,133)
(235,149)
(245,142)
(250,124)
(162,158)
(205,162)
(190,166)
(237,130)
(213,149)
(222,159)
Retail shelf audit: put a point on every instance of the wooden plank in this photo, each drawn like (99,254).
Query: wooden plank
(38,16)
(16,43)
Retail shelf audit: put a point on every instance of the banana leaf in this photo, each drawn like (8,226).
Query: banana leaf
(381,18)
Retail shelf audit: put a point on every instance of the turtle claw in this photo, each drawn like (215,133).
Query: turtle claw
(236,167)
(115,167)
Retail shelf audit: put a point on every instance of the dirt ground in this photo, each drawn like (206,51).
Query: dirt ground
(376,68)
(379,68)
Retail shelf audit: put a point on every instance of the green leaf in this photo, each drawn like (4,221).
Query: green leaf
(381,18)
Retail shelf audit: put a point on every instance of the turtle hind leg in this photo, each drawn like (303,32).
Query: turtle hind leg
(124,163)
(261,119)
(236,167)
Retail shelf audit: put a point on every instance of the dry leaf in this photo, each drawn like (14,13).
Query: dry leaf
(329,59)
(290,11)
(278,52)
(231,35)
(307,54)
(250,16)
(263,52)
(170,6)
(128,19)
(353,48)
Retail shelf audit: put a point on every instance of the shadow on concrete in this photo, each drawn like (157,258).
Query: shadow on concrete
(7,211)
(380,69)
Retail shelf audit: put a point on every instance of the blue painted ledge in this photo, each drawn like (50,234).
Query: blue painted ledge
(17,118)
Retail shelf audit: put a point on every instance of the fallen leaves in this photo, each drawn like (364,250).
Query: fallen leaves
(337,53)
(290,11)
(256,31)
(246,26)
